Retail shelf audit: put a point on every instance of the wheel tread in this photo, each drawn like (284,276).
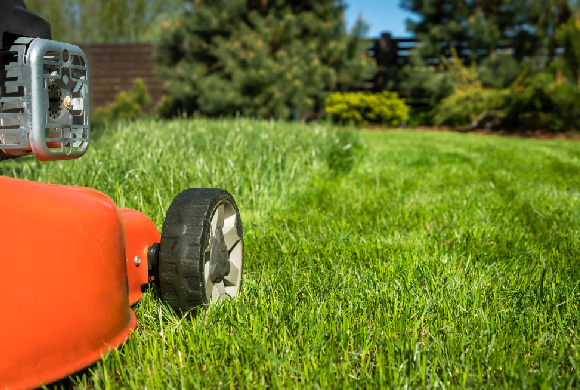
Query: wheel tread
(184,238)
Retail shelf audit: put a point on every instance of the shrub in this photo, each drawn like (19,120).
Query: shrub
(537,102)
(384,108)
(542,103)
(420,116)
(167,107)
(128,105)
(471,102)
(464,77)
(463,108)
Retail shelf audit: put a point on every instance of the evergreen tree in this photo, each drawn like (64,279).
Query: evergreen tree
(480,25)
(262,58)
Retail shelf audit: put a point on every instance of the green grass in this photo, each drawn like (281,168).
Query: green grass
(372,259)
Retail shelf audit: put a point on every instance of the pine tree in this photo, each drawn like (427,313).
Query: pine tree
(261,58)
(481,25)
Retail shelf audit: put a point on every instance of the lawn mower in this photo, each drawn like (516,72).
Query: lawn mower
(74,263)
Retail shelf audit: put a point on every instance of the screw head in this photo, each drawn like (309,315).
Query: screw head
(137,261)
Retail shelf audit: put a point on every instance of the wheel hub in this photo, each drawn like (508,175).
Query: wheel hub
(219,263)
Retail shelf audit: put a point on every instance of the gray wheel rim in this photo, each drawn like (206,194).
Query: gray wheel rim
(223,236)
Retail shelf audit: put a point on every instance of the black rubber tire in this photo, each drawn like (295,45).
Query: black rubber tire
(184,239)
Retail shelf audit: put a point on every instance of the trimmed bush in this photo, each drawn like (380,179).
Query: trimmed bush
(384,108)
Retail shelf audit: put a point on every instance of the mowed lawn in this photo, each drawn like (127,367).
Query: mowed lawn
(389,259)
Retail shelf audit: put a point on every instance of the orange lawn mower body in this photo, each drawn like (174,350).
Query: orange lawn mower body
(70,281)
(73,262)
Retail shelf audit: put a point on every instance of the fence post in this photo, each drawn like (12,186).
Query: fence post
(386,56)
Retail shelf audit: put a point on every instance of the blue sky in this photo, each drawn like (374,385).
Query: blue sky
(381,15)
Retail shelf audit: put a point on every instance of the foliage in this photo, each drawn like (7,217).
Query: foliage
(537,102)
(477,29)
(441,260)
(569,38)
(464,78)
(384,108)
(464,107)
(420,116)
(166,108)
(80,21)
(481,25)
(424,84)
(469,100)
(261,58)
(128,105)
(499,72)
(540,102)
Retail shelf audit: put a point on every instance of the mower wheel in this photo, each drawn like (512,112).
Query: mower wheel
(202,249)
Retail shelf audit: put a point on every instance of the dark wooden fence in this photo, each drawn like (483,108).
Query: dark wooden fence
(393,53)
(114,67)
(390,53)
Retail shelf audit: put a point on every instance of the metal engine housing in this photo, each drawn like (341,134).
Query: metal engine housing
(44,100)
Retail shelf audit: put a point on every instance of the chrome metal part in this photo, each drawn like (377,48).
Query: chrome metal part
(44,100)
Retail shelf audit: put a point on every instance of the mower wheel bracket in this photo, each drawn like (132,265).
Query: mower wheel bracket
(153,256)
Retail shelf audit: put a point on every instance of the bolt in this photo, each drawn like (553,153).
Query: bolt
(137,261)
(67,102)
